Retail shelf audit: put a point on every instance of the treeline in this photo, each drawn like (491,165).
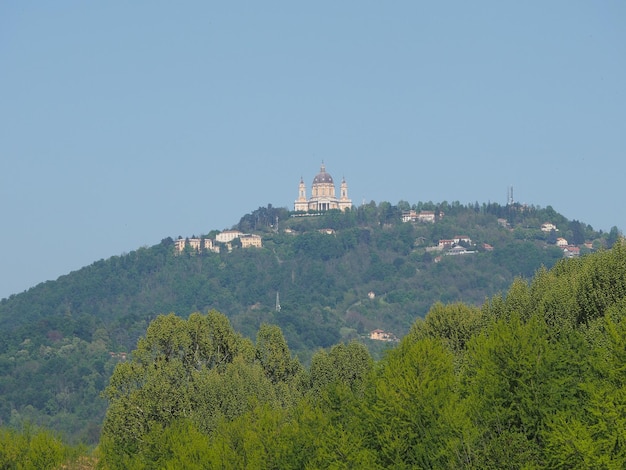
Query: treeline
(37,448)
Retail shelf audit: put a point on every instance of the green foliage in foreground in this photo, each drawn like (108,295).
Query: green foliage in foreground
(535,379)
(36,449)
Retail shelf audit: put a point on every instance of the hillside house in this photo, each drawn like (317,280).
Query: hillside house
(459,250)
(427,216)
(548,227)
(562,242)
(571,251)
(409,216)
(195,244)
(227,236)
(381,335)
(179,245)
(445,244)
(251,240)
(182,243)
(423,216)
(462,238)
(210,246)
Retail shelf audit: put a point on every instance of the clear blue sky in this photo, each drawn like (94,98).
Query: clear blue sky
(122,123)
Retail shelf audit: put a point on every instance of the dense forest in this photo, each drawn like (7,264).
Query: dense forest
(534,378)
(63,341)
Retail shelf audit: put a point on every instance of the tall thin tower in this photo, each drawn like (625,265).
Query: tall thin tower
(509,196)
(277,302)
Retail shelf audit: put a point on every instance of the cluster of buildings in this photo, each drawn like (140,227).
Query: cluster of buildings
(323,198)
(548,227)
(460,243)
(446,244)
(422,216)
(381,335)
(569,251)
(224,238)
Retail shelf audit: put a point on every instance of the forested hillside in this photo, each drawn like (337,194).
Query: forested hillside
(532,379)
(338,275)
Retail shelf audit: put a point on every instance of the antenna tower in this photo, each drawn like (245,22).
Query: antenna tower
(277,302)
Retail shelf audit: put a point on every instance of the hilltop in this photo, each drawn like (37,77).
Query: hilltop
(337,276)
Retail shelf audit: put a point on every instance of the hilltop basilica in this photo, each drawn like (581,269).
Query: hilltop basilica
(323,196)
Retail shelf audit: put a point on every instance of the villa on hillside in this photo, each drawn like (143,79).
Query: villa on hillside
(381,335)
(227,236)
(224,238)
(453,245)
(195,244)
(548,227)
(571,251)
(423,216)
(251,240)
(445,244)
(179,245)
(462,238)
(459,250)
(210,246)
(409,216)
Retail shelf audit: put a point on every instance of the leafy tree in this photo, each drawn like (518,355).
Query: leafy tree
(613,237)
(273,353)
(231,392)
(262,219)
(35,448)
(155,388)
(592,433)
(516,379)
(179,445)
(455,324)
(412,413)
(552,237)
(578,232)
(346,364)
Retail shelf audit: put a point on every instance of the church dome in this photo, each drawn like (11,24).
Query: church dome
(323,177)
